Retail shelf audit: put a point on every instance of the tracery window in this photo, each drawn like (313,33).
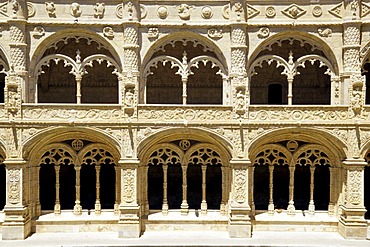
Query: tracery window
(77,178)
(291,178)
(185,179)
(185,72)
(302,69)
(77,70)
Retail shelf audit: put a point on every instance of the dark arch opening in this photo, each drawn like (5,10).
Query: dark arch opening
(155,186)
(47,186)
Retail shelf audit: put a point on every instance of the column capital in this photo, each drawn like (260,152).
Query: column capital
(240,163)
(354,164)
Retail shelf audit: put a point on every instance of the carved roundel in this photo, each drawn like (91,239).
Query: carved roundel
(77,144)
(162,12)
(184,144)
(270,12)
(317,11)
(207,12)
(292,145)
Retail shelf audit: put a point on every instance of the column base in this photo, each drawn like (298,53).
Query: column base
(240,223)
(352,230)
(129,224)
(352,224)
(16,226)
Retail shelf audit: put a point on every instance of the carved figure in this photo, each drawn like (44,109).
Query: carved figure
(325,32)
(75,10)
(129,98)
(99,10)
(184,11)
(15,6)
(50,8)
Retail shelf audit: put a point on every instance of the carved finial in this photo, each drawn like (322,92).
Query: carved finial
(290,60)
(78,57)
(184,58)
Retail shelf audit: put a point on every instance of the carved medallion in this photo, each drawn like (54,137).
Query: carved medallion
(226,11)
(162,12)
(31,10)
(153,33)
(143,11)
(317,11)
(119,11)
(108,32)
(207,12)
(270,12)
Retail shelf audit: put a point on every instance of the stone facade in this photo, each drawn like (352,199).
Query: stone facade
(134,116)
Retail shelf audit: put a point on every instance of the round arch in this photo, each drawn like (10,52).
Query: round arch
(171,134)
(58,134)
(304,37)
(38,52)
(307,147)
(36,158)
(325,139)
(187,35)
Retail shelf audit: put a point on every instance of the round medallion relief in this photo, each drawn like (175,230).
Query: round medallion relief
(162,12)
(317,11)
(270,12)
(207,12)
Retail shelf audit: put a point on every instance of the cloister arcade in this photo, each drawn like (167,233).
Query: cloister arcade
(136,116)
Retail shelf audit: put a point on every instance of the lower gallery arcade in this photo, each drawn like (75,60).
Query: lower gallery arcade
(188,180)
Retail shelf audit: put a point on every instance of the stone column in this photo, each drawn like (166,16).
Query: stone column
(352,223)
(17,222)
(351,56)
(271,207)
(77,209)
(117,194)
(97,201)
(333,189)
(57,190)
(238,75)
(311,206)
(129,219)
(203,205)
(165,202)
(131,55)
(239,210)
(184,208)
(291,207)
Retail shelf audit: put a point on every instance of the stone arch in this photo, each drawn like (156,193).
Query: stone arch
(61,188)
(154,148)
(75,69)
(282,69)
(185,35)
(38,52)
(254,154)
(185,59)
(326,140)
(57,134)
(305,37)
(307,147)
(169,134)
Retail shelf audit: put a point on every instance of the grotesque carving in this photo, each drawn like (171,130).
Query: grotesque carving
(75,10)
(325,32)
(153,33)
(183,11)
(207,12)
(263,33)
(215,33)
(50,8)
(108,32)
(99,10)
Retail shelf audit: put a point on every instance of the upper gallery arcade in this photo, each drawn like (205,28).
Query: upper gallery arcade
(134,116)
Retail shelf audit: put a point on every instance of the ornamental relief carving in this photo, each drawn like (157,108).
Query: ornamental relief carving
(185,114)
(354,186)
(352,35)
(60,114)
(128,176)
(313,113)
(14,186)
(294,11)
(240,185)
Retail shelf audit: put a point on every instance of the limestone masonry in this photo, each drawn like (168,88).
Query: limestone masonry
(211,115)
